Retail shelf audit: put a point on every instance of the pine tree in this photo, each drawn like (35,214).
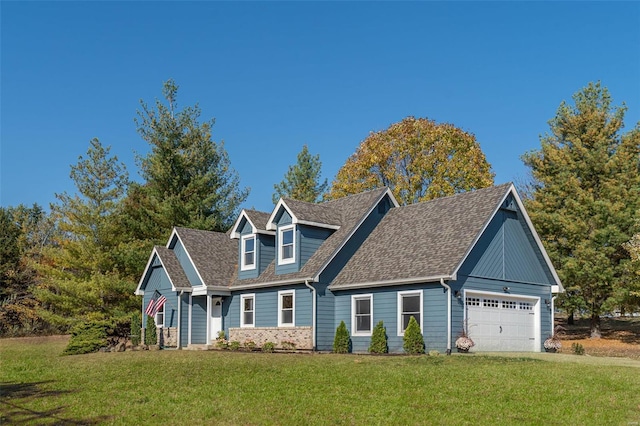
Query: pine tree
(413,342)
(342,341)
(585,196)
(379,339)
(302,180)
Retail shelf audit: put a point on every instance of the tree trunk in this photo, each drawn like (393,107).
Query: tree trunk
(596,331)
(570,318)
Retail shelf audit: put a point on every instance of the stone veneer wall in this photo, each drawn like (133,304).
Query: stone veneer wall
(169,337)
(301,336)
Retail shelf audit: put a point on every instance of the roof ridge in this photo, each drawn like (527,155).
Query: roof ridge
(459,194)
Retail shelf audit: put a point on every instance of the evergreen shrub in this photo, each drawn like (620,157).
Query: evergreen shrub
(136,328)
(342,341)
(379,340)
(150,332)
(413,342)
(88,337)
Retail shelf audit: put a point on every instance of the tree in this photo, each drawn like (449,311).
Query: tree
(418,159)
(585,196)
(302,180)
(378,343)
(412,341)
(342,341)
(189,179)
(81,277)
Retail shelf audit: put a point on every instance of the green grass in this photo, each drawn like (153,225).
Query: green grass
(207,387)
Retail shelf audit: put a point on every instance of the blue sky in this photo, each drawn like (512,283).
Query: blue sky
(277,75)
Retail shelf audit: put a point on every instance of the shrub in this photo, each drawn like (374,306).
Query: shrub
(150,332)
(250,345)
(289,346)
(88,337)
(234,345)
(268,347)
(413,342)
(136,328)
(379,340)
(221,340)
(577,348)
(434,353)
(342,341)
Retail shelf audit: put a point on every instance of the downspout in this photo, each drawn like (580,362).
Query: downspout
(553,319)
(443,284)
(313,313)
(179,317)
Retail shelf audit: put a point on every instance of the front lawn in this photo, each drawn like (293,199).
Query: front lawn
(207,387)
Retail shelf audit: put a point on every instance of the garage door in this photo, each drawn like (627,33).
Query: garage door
(502,323)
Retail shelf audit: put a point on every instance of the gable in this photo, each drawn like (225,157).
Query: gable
(507,250)
(181,253)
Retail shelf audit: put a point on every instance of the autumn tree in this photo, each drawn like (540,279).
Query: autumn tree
(585,196)
(188,177)
(418,159)
(302,180)
(81,277)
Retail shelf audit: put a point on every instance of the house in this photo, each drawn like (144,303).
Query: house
(293,274)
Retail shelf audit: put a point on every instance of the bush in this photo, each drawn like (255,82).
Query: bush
(288,346)
(136,328)
(234,346)
(379,340)
(342,341)
(150,332)
(413,342)
(88,337)
(268,347)
(577,348)
(250,345)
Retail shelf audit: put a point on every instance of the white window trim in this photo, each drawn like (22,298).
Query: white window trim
(281,230)
(399,309)
(354,298)
(242,311)
(293,313)
(243,266)
(155,319)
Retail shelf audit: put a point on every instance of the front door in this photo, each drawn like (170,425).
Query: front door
(216,317)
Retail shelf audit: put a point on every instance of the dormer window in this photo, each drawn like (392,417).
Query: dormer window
(286,245)
(248,260)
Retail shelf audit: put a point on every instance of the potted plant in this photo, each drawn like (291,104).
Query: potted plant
(464,342)
(553,343)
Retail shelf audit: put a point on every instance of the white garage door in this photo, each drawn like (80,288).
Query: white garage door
(502,323)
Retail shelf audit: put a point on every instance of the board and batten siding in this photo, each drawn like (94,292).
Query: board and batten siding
(266,307)
(184,320)
(385,309)
(187,266)
(158,280)
(199,319)
(249,273)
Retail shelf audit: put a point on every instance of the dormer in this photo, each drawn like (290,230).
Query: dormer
(256,244)
(300,228)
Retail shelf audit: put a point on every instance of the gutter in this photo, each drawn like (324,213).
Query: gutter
(179,318)
(442,283)
(553,319)
(313,313)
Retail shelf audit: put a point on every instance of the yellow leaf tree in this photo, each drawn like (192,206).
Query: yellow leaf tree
(418,159)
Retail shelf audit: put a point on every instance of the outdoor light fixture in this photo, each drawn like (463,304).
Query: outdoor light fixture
(547,302)
(458,294)
(506,289)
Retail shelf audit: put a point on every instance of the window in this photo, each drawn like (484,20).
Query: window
(247,310)
(248,260)
(286,311)
(286,245)
(409,305)
(362,314)
(160,317)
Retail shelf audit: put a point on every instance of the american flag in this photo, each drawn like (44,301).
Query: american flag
(152,303)
(158,305)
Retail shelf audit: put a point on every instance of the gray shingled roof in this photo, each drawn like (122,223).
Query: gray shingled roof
(351,210)
(324,213)
(258,218)
(428,239)
(172,267)
(214,254)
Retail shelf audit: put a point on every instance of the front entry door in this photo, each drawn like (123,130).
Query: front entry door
(216,317)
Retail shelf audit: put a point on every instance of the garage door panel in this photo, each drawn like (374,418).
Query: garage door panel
(501,323)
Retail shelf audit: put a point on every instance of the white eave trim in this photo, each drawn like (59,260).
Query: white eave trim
(269,284)
(271,225)
(435,279)
(317,224)
(536,237)
(355,229)
(211,291)
(235,233)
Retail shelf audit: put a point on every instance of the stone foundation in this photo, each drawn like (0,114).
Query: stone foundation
(169,337)
(301,336)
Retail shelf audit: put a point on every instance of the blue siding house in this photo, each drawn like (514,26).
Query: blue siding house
(472,261)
